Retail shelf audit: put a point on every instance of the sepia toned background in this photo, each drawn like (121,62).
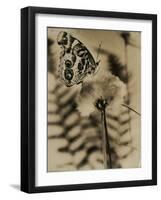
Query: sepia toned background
(74,142)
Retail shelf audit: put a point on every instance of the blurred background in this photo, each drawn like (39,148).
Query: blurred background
(74,142)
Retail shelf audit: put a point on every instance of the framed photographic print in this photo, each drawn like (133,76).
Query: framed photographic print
(88,99)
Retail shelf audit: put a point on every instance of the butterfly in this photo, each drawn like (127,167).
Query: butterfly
(76,61)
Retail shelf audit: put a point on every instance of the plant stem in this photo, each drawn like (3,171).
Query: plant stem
(127,106)
(105,141)
(104,148)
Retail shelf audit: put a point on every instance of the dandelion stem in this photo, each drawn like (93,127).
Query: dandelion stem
(105,140)
(101,105)
(104,146)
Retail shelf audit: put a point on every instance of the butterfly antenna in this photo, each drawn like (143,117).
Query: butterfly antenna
(98,52)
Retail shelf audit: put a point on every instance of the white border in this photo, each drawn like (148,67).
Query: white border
(54,178)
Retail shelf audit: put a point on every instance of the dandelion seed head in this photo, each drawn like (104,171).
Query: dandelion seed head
(107,87)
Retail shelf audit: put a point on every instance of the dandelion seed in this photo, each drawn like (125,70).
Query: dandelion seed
(110,88)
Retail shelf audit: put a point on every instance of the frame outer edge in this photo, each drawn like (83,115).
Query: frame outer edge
(27,102)
(24,100)
(154,99)
(31,99)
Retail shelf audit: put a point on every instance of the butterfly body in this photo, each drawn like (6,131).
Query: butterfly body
(76,61)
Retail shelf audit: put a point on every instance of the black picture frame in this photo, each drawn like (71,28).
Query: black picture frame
(28,98)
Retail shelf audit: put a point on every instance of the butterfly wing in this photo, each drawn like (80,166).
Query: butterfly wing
(76,61)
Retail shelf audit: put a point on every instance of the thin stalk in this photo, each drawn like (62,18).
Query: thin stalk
(101,105)
(131,109)
(105,141)
(104,146)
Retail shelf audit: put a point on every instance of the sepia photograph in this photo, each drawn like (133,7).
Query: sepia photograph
(94,99)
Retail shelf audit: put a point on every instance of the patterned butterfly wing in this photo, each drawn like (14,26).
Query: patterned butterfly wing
(76,61)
